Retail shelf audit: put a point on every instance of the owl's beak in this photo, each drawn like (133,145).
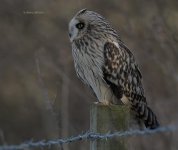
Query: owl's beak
(70,37)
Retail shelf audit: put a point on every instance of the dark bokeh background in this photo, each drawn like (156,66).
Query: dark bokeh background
(40,95)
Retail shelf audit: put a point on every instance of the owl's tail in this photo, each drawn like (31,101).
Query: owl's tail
(144,113)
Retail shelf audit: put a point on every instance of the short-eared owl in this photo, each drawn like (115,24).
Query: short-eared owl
(103,62)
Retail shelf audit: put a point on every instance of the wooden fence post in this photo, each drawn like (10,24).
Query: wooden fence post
(104,119)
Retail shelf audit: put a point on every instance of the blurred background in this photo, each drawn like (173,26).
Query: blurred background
(40,94)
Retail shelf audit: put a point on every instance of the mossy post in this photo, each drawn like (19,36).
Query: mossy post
(104,119)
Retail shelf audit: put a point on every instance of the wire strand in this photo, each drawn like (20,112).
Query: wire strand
(90,136)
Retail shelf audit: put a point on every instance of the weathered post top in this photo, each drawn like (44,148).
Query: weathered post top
(104,119)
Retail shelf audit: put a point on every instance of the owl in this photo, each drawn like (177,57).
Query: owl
(104,63)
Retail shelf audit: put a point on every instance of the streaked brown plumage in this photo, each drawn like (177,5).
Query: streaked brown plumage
(104,63)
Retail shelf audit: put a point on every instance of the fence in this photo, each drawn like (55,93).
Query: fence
(90,136)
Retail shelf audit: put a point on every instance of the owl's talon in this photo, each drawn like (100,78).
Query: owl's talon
(103,103)
(96,103)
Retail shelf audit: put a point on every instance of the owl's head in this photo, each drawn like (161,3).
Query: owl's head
(85,22)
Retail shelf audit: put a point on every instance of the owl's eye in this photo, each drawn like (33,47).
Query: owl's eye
(80,25)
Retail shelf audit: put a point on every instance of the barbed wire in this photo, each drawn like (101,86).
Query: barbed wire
(91,136)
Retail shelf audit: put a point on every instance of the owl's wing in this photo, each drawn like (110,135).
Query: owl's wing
(121,72)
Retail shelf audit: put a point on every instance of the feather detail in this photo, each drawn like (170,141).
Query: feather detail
(122,74)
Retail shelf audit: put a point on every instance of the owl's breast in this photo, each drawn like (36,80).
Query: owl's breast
(88,64)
